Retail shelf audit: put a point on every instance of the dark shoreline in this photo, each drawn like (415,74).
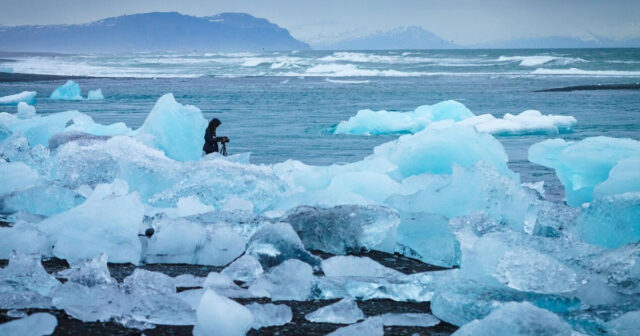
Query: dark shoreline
(632,86)
(6,77)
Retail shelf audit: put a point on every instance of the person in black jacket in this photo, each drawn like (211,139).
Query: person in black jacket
(210,138)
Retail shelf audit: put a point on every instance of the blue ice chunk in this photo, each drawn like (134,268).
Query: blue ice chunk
(28,97)
(37,324)
(25,111)
(25,284)
(427,237)
(95,95)
(175,129)
(581,166)
(24,238)
(46,200)
(69,91)
(16,176)
(611,221)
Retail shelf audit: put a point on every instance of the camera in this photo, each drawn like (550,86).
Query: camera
(225,139)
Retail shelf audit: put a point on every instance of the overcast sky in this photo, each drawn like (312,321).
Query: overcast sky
(463,21)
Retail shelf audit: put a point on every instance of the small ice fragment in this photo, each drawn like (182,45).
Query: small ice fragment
(25,111)
(368,327)
(37,324)
(188,280)
(218,315)
(25,284)
(245,269)
(537,186)
(290,280)
(28,97)
(224,285)
(345,311)
(351,266)
(274,243)
(69,91)
(267,315)
(89,272)
(408,320)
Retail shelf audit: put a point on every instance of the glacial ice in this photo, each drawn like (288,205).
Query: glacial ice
(611,221)
(69,91)
(95,95)
(274,243)
(268,314)
(37,324)
(345,311)
(25,238)
(107,222)
(28,97)
(368,327)
(582,166)
(367,122)
(351,266)
(46,200)
(627,324)
(218,315)
(225,286)
(25,111)
(408,320)
(175,129)
(427,237)
(25,284)
(16,176)
(290,280)
(517,319)
(246,269)
(345,228)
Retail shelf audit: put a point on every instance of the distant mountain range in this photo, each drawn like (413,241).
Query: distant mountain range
(153,32)
(589,41)
(400,38)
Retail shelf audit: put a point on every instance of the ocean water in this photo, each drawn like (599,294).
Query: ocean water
(280,106)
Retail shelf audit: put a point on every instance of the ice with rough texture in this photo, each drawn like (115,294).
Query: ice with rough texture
(517,319)
(427,237)
(345,228)
(95,95)
(69,91)
(107,222)
(367,122)
(183,241)
(25,111)
(28,97)
(385,122)
(611,221)
(25,284)
(368,327)
(274,243)
(218,315)
(582,166)
(246,269)
(46,200)
(345,311)
(16,176)
(24,238)
(175,129)
(269,314)
(38,324)
(627,324)
(225,286)
(290,280)
(352,266)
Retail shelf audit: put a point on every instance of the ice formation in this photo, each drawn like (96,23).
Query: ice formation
(95,95)
(351,266)
(267,315)
(408,320)
(246,269)
(25,238)
(345,311)
(25,111)
(218,315)
(25,284)
(369,122)
(584,165)
(28,97)
(274,243)
(517,319)
(38,324)
(427,237)
(368,327)
(291,280)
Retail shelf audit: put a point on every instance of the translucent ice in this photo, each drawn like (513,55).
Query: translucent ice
(25,111)
(95,95)
(28,97)
(89,272)
(184,241)
(107,221)
(384,122)
(517,319)
(345,311)
(46,200)
(344,228)
(25,284)
(174,128)
(38,324)
(408,320)
(351,266)
(527,122)
(274,243)
(69,91)
(290,280)
(267,315)
(246,269)
(627,324)
(427,237)
(611,221)
(581,166)
(225,286)
(16,176)
(24,238)
(218,315)
(368,327)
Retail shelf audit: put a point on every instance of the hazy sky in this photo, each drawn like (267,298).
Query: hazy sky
(463,21)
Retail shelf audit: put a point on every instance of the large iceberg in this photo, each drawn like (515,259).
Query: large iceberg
(369,122)
(28,97)
(71,91)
